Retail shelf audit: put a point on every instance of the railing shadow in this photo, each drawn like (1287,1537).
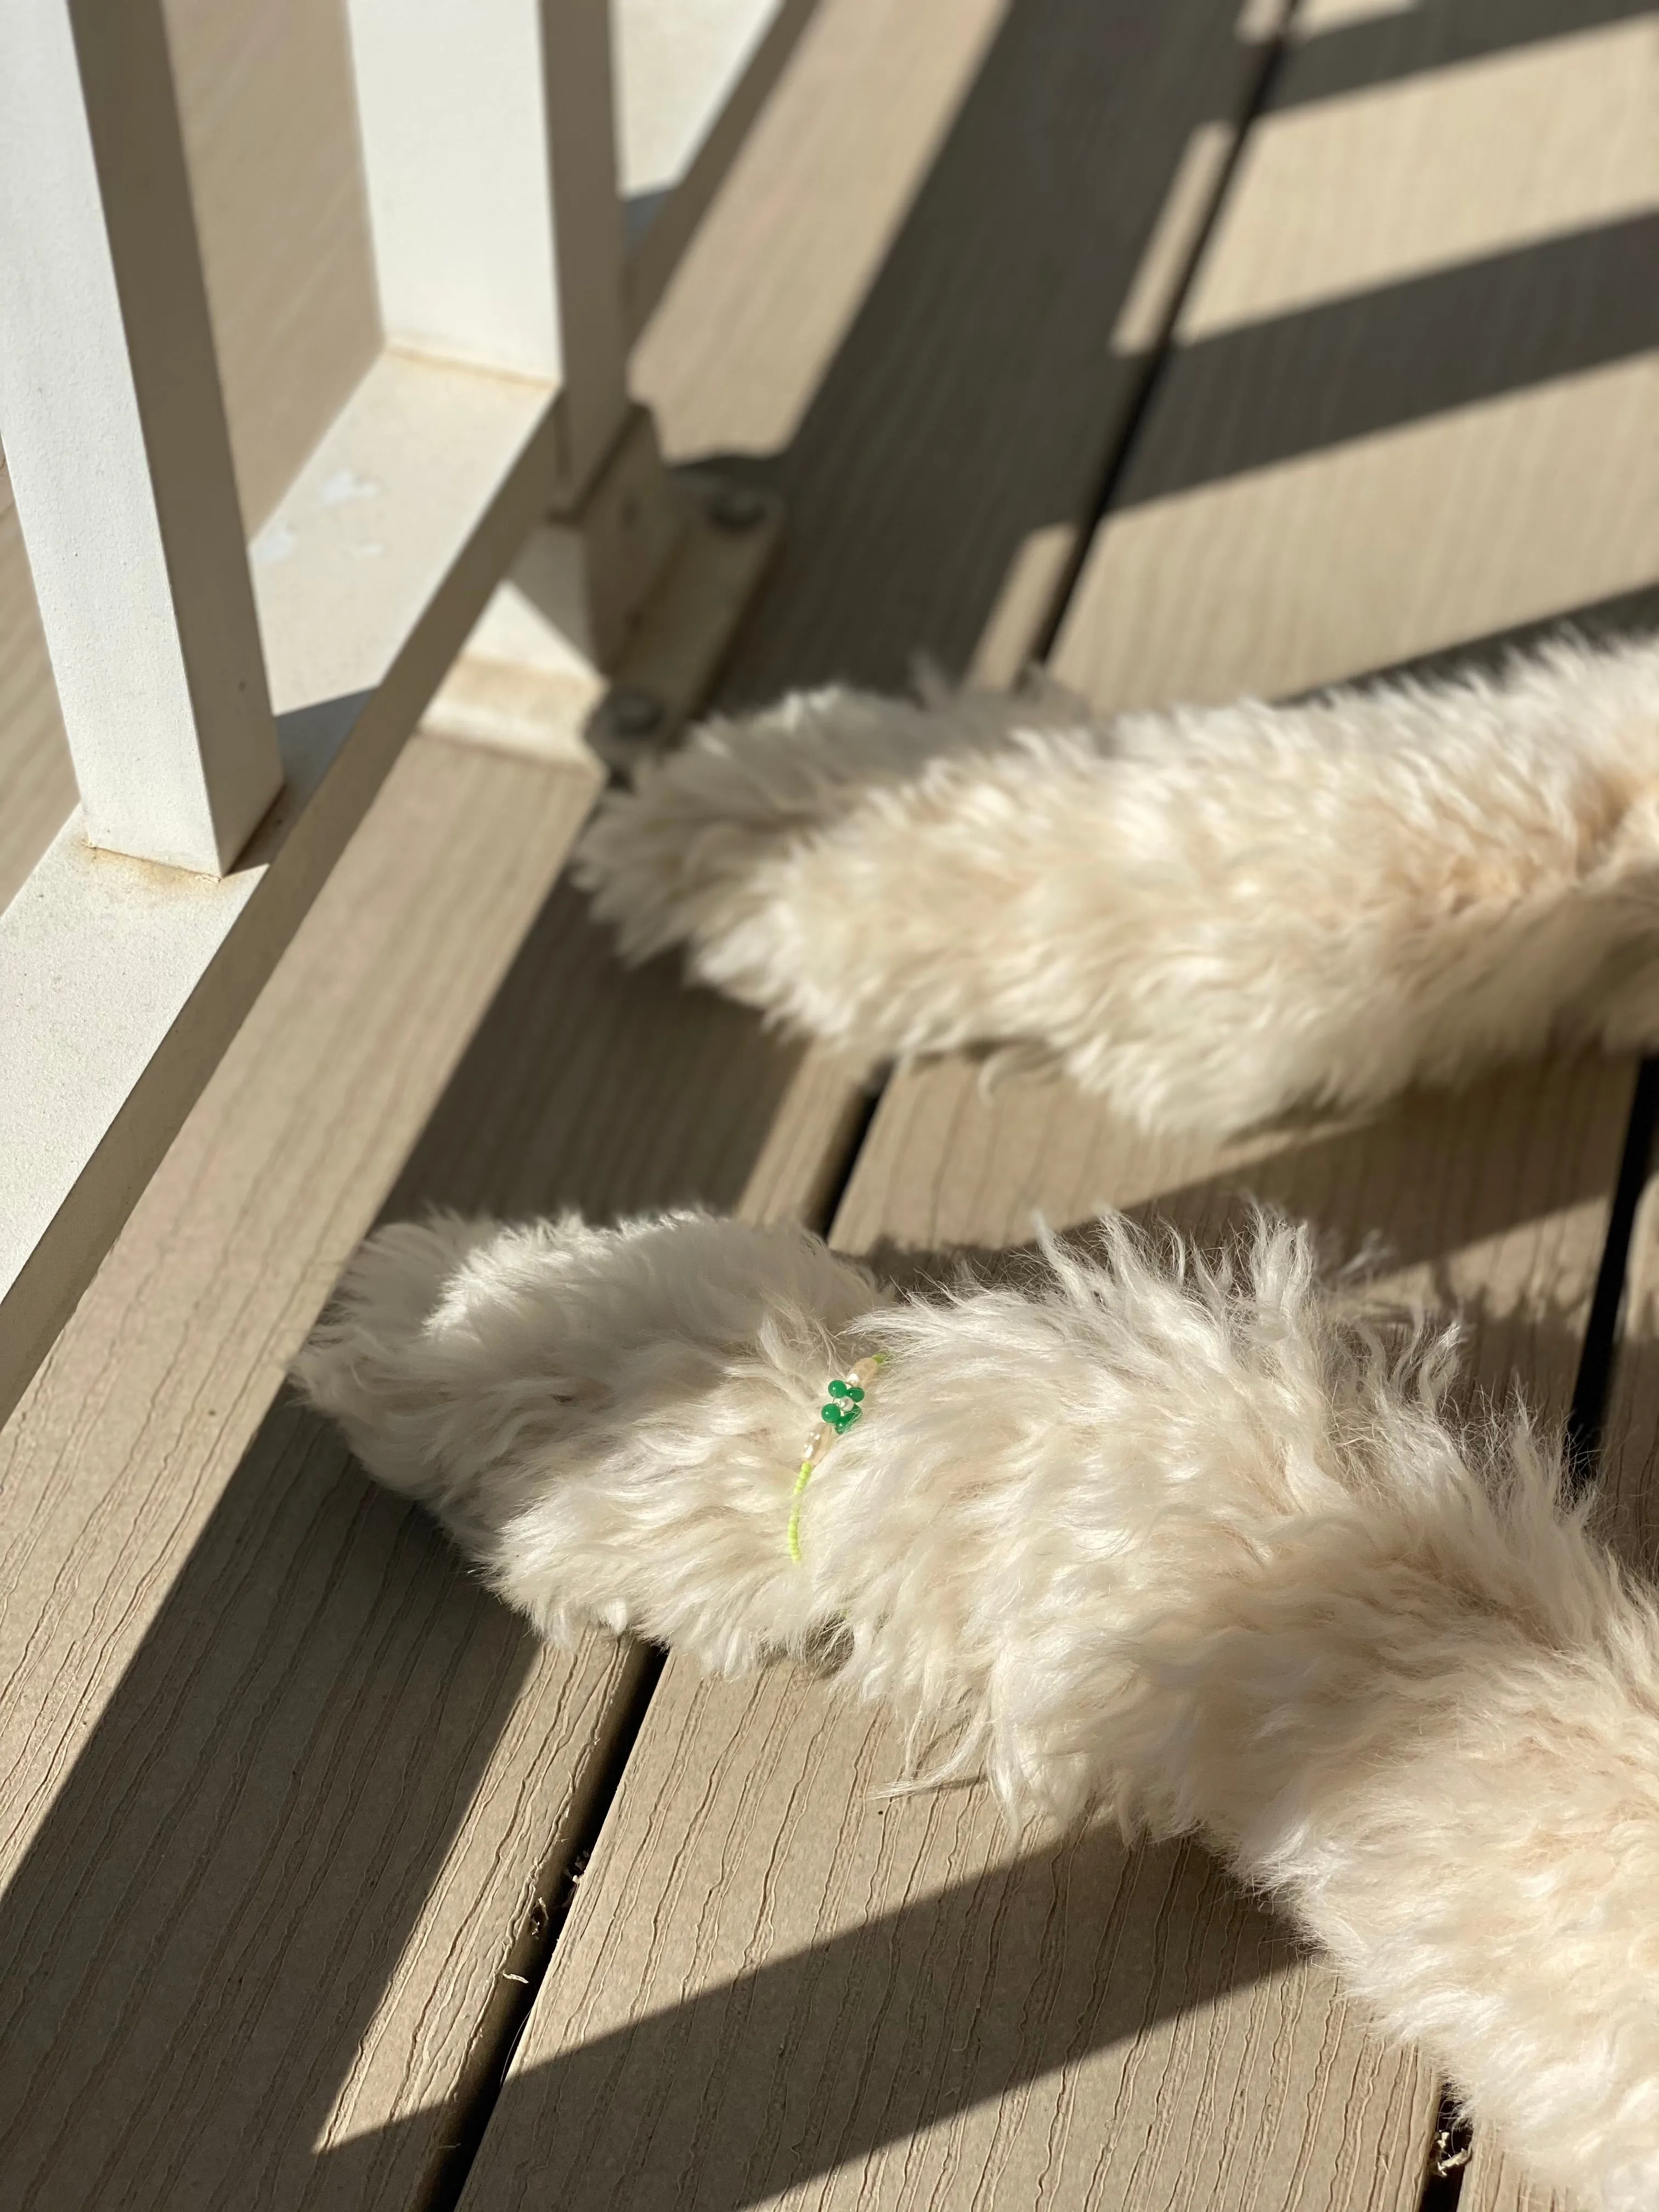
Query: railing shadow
(1388,48)
(228,1874)
(1429,1174)
(1083,120)
(871,2036)
(200,1931)
(1349,369)
(976,397)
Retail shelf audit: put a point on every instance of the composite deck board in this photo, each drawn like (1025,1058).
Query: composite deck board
(280,1782)
(287,1782)
(934,369)
(325,1840)
(1494,2183)
(242,1712)
(1413,395)
(843,93)
(777,1987)
(1627,1513)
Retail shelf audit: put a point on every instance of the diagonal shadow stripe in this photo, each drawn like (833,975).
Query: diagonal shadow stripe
(244,1836)
(1433,34)
(1348,368)
(1623,614)
(893,2026)
(228,1875)
(975,399)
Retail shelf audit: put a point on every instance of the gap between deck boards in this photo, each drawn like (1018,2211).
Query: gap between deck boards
(815,1137)
(1591,1374)
(1021,630)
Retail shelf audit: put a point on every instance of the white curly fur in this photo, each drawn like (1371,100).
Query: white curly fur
(1210,916)
(1197,1545)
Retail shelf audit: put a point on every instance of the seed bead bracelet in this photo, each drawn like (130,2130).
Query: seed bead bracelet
(846,1405)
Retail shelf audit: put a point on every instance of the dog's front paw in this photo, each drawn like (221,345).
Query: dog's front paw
(689,854)
(362,1363)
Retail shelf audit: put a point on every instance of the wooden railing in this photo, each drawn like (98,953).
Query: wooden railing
(230,718)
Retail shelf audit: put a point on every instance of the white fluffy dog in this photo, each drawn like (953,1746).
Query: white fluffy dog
(1198,1546)
(1210,916)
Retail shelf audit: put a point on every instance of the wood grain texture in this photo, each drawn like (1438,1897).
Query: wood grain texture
(1494,2184)
(777,1989)
(312,1806)
(1379,434)
(962,208)
(284,1785)
(923,2014)
(1628,1501)
(300,1783)
(733,365)
(244,1716)
(1469,160)
(1321,528)
(810,1995)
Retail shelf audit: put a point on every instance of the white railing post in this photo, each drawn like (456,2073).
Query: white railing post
(497,419)
(589,230)
(489,153)
(490,148)
(114,430)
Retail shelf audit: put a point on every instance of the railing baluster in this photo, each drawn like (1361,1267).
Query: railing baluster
(115,435)
(491,159)
(588,227)
(489,149)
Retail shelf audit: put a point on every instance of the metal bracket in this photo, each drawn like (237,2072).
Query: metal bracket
(611,624)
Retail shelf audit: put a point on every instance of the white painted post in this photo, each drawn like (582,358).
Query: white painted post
(115,435)
(589,227)
(489,140)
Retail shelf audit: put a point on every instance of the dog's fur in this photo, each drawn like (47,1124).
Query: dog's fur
(1210,916)
(1197,1546)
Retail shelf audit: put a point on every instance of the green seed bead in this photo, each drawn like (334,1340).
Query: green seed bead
(838,1389)
(856,1394)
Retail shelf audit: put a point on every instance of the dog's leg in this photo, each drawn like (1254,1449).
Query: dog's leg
(1186,1544)
(1210,916)
(810,860)
(609,1422)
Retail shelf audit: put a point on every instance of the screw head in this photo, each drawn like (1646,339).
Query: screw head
(736,506)
(634,712)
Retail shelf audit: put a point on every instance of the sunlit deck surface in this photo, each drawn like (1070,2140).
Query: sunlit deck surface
(1122,337)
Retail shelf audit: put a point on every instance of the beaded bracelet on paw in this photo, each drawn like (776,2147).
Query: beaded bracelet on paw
(845,1406)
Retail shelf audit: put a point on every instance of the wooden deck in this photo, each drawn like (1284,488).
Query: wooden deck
(299,1830)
